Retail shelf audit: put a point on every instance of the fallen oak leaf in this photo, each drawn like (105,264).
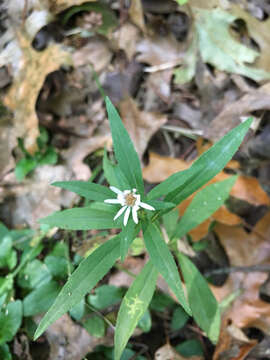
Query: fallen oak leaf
(23,93)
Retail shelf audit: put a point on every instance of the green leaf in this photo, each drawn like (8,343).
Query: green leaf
(134,306)
(145,322)
(40,299)
(95,326)
(105,296)
(170,220)
(203,304)
(125,153)
(204,204)
(192,347)
(58,266)
(183,183)
(182,2)
(87,189)
(6,284)
(77,311)
(23,167)
(127,235)
(113,174)
(5,353)
(179,318)
(219,47)
(163,260)
(82,280)
(3,231)
(82,218)
(10,321)
(161,301)
(49,157)
(34,275)
(161,205)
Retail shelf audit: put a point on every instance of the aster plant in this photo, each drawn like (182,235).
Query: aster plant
(126,207)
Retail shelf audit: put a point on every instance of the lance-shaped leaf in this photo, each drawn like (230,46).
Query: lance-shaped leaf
(127,235)
(84,218)
(113,174)
(82,280)
(134,306)
(204,204)
(163,260)
(125,153)
(86,189)
(203,304)
(180,185)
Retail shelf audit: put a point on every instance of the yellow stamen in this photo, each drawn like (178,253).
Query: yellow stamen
(130,200)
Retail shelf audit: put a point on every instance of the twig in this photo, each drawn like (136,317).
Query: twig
(192,133)
(244,269)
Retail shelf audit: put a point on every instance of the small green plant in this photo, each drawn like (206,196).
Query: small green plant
(45,155)
(126,207)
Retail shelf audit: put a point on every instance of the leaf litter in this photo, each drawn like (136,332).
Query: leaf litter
(199,69)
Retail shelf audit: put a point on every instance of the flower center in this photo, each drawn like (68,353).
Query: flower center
(130,200)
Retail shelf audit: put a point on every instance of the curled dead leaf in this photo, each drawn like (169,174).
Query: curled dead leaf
(23,93)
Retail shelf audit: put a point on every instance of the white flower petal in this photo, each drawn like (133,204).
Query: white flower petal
(134,213)
(112,201)
(146,206)
(126,216)
(121,199)
(120,212)
(114,189)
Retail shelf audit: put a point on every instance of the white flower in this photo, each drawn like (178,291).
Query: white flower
(129,200)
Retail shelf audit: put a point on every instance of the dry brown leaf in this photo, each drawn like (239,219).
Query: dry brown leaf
(136,14)
(229,117)
(96,52)
(233,343)
(246,249)
(126,38)
(56,6)
(70,341)
(35,198)
(161,167)
(23,93)
(141,125)
(167,352)
(157,50)
(7,143)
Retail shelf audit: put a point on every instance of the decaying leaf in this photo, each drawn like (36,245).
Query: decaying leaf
(259,31)
(246,249)
(22,95)
(140,125)
(136,14)
(219,48)
(233,343)
(71,341)
(56,6)
(228,118)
